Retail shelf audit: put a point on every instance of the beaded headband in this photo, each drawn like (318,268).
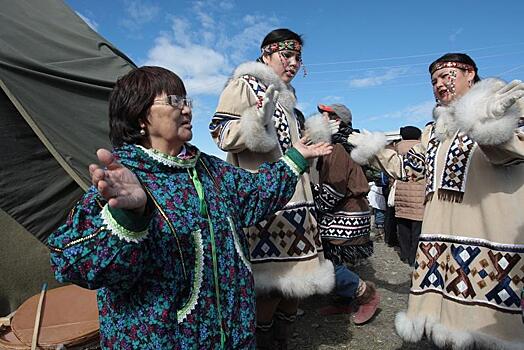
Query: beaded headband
(292,45)
(459,65)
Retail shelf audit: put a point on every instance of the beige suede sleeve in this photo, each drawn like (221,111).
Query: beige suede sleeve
(508,153)
(410,166)
(236,125)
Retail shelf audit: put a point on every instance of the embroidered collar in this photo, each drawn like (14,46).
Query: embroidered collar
(187,158)
(456,167)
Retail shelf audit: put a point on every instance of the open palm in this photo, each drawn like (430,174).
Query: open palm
(312,150)
(116,183)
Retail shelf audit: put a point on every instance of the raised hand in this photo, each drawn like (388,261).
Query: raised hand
(117,184)
(504,98)
(268,106)
(312,150)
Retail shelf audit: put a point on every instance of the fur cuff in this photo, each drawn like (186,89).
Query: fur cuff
(317,128)
(259,138)
(369,145)
(471,113)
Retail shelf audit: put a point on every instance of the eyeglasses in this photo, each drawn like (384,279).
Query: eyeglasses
(175,101)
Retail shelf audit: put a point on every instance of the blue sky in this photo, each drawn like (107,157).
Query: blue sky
(370,55)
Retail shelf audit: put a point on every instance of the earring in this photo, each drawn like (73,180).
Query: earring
(470,82)
(142,132)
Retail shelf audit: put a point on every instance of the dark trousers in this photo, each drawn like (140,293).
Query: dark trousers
(390,228)
(408,235)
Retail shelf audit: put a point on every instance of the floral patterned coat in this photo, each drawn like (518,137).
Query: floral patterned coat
(179,278)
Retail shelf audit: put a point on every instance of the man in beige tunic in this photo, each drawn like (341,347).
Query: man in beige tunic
(469,269)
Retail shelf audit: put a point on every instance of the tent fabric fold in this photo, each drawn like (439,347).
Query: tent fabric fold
(56,74)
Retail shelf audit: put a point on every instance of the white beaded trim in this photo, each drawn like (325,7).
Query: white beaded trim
(120,231)
(291,164)
(238,247)
(182,314)
(168,160)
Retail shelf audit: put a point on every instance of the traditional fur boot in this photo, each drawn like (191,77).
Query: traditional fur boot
(281,329)
(367,304)
(265,337)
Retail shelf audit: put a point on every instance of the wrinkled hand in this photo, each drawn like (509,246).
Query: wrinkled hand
(357,139)
(334,126)
(504,98)
(117,184)
(267,109)
(314,150)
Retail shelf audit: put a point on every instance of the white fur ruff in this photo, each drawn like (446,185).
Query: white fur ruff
(317,128)
(470,114)
(259,138)
(412,330)
(295,281)
(370,145)
(267,76)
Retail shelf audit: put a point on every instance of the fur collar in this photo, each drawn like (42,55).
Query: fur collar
(468,113)
(267,76)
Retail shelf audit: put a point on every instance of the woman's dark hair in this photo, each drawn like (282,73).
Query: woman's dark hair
(278,35)
(457,57)
(131,98)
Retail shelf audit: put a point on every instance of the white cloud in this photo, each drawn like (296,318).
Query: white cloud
(139,13)
(226,5)
(454,35)
(375,80)
(205,52)
(330,99)
(90,22)
(421,112)
(203,70)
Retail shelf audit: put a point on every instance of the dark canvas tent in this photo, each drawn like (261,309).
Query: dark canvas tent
(56,74)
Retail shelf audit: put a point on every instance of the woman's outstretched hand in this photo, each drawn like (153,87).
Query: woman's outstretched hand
(504,98)
(117,184)
(312,150)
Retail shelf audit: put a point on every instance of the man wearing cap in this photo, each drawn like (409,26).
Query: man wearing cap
(409,200)
(344,219)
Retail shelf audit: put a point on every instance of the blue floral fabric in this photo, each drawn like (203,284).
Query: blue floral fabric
(160,292)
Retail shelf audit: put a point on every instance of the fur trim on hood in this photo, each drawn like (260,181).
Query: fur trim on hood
(317,128)
(286,95)
(469,113)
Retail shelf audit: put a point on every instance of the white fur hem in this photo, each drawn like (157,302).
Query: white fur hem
(471,114)
(412,330)
(370,144)
(259,138)
(317,128)
(294,281)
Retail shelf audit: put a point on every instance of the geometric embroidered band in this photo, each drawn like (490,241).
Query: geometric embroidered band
(292,45)
(470,271)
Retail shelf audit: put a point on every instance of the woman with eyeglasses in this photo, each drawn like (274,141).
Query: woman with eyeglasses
(284,249)
(469,265)
(160,231)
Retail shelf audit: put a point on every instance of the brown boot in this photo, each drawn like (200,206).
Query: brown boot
(265,337)
(367,304)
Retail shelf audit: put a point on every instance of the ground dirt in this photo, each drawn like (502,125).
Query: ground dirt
(392,278)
